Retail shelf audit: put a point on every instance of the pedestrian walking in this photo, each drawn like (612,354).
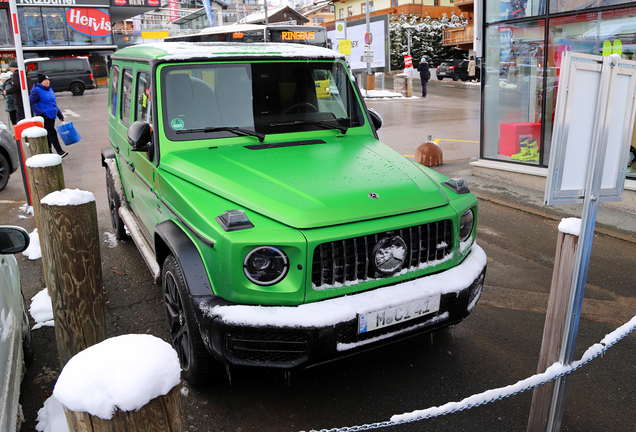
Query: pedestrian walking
(425,75)
(9,100)
(472,69)
(16,90)
(44,104)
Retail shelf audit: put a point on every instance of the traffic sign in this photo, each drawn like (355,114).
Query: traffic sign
(408,62)
(368,38)
(367,58)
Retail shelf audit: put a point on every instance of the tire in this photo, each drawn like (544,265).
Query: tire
(27,340)
(440,78)
(77,88)
(455,76)
(5,171)
(113,206)
(196,362)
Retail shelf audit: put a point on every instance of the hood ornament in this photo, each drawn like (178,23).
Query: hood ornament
(373,195)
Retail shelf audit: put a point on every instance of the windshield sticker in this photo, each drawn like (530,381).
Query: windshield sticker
(177,124)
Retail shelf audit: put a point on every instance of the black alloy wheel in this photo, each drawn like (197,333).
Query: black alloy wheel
(196,361)
(27,339)
(456,76)
(77,88)
(5,171)
(113,206)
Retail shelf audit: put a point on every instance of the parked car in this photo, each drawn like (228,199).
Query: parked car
(8,155)
(454,69)
(283,232)
(66,74)
(15,331)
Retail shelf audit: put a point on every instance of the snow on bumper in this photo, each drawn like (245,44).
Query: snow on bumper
(295,336)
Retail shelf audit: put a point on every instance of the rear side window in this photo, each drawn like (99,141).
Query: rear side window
(52,66)
(74,65)
(114,83)
(143,110)
(126,94)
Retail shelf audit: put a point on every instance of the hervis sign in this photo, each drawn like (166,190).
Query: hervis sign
(89,21)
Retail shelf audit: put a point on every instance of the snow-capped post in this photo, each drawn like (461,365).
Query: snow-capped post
(562,274)
(126,383)
(45,175)
(74,270)
(35,139)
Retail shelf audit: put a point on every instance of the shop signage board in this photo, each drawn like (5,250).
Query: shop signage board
(98,3)
(592,133)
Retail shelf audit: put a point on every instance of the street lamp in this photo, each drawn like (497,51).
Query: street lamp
(408,29)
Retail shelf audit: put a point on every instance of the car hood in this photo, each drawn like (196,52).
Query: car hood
(310,185)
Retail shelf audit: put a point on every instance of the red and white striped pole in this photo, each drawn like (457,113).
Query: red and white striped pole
(17,40)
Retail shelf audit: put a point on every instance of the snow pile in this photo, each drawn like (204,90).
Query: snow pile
(51,417)
(570,226)
(34,132)
(41,310)
(34,251)
(504,85)
(43,160)
(110,239)
(68,197)
(121,373)
(381,94)
(25,208)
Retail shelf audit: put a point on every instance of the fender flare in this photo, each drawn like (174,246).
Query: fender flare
(170,239)
(107,153)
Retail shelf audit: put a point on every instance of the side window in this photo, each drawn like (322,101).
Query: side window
(52,66)
(143,110)
(75,65)
(114,86)
(126,94)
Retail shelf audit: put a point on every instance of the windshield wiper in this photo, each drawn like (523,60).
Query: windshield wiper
(234,129)
(321,123)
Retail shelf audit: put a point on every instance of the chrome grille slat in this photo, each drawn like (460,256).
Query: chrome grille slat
(350,260)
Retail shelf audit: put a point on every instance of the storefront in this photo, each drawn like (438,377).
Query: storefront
(59,29)
(523,44)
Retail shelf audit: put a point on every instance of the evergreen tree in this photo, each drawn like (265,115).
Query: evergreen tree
(426,40)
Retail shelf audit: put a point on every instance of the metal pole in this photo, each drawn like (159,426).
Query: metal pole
(17,40)
(584,248)
(266,21)
(369,33)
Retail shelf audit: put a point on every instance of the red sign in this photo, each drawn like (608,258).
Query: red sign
(88,21)
(408,62)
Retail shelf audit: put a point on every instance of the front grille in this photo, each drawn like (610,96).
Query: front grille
(248,346)
(351,260)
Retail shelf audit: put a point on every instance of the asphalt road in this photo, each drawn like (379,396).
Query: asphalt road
(495,346)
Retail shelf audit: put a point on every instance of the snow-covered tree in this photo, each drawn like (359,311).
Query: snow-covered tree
(426,40)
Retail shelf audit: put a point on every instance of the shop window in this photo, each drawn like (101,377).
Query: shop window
(126,95)
(513,92)
(143,111)
(55,27)
(499,10)
(574,5)
(5,30)
(31,27)
(599,33)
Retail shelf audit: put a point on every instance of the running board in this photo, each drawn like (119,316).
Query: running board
(145,249)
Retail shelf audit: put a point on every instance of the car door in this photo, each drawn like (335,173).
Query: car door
(148,204)
(10,322)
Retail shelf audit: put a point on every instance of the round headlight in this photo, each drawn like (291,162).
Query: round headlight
(466,223)
(266,265)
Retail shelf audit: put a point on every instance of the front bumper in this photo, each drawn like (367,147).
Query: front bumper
(301,336)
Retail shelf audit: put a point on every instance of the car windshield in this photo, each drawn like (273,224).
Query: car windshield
(223,100)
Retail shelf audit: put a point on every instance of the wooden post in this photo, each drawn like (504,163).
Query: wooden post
(74,271)
(162,414)
(562,275)
(35,141)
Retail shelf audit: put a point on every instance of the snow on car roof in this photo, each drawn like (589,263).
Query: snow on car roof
(179,51)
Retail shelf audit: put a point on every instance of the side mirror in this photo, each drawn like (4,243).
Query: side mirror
(13,239)
(375,118)
(139,136)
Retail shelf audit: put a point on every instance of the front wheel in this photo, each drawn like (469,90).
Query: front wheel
(195,360)
(455,76)
(5,171)
(77,89)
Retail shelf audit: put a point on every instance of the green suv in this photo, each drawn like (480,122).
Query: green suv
(283,233)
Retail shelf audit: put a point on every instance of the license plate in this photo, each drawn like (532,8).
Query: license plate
(398,314)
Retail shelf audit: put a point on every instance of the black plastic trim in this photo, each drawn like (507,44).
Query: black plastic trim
(284,144)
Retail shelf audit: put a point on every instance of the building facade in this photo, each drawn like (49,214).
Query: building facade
(357,9)
(523,45)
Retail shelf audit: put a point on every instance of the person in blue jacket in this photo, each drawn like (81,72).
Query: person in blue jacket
(44,104)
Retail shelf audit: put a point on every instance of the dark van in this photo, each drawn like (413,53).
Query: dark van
(66,74)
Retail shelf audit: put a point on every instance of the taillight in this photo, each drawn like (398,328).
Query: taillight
(451,68)
(437,67)
(90,76)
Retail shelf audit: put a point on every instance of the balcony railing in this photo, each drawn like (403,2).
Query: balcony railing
(458,35)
